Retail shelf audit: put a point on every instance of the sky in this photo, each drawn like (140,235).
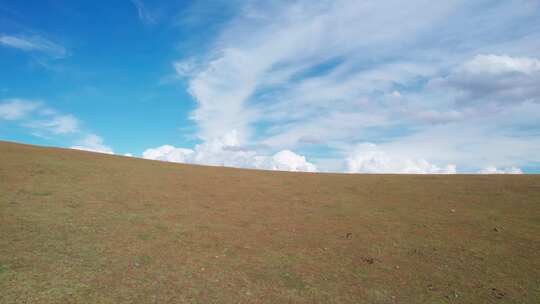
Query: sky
(353,86)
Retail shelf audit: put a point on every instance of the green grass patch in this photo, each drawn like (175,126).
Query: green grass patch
(143,260)
(146,236)
(41,193)
(293,281)
(3,269)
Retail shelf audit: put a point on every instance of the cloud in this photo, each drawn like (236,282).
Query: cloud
(276,45)
(144,14)
(288,75)
(44,121)
(169,153)
(15,109)
(59,124)
(36,115)
(289,161)
(500,65)
(499,80)
(185,68)
(221,91)
(226,151)
(33,43)
(93,143)
(495,170)
(368,158)
(494,139)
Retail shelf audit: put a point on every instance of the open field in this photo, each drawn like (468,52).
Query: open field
(79,227)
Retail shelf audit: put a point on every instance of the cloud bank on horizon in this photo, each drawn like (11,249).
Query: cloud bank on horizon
(390,89)
(352,86)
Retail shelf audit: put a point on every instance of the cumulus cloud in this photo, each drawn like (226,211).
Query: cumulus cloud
(495,170)
(227,151)
(289,161)
(169,153)
(368,158)
(93,143)
(33,43)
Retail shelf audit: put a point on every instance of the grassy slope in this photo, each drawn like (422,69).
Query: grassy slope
(82,227)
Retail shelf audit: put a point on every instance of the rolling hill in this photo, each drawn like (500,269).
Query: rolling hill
(81,227)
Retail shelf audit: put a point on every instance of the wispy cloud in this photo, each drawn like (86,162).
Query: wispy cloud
(340,73)
(33,43)
(36,115)
(144,14)
(58,124)
(15,108)
(45,121)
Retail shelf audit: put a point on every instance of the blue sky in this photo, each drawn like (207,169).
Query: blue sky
(341,86)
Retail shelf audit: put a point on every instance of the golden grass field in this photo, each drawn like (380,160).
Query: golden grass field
(80,227)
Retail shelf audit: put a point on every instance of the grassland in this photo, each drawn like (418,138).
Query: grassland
(79,227)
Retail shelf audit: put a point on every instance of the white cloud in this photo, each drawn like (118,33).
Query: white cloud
(221,91)
(396,94)
(15,109)
(36,115)
(44,121)
(495,170)
(495,64)
(478,143)
(169,153)
(496,80)
(93,143)
(273,43)
(59,124)
(291,74)
(289,161)
(33,43)
(368,158)
(226,151)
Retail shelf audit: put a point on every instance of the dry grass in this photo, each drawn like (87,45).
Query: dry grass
(78,227)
